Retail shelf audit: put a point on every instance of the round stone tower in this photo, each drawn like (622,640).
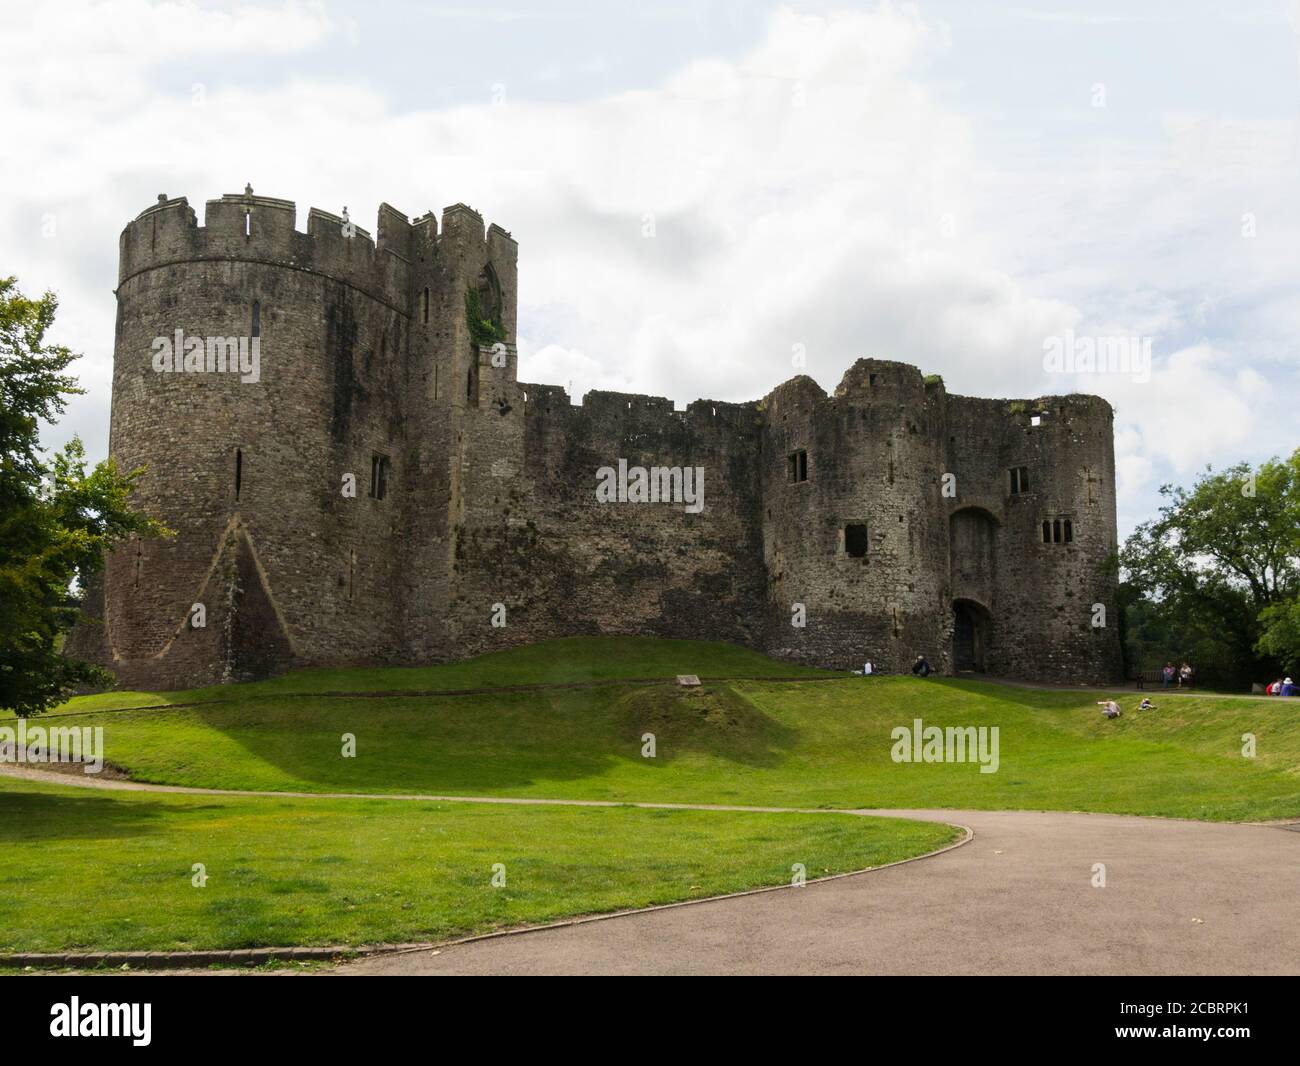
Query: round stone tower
(256,376)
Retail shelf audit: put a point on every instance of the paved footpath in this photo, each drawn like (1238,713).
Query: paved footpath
(1180,898)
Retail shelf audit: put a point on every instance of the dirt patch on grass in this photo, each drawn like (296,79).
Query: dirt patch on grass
(71,769)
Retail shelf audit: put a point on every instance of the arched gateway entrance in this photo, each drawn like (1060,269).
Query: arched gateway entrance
(969,635)
(972,559)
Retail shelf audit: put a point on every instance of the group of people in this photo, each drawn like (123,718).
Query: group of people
(1183,676)
(1110,708)
(921,668)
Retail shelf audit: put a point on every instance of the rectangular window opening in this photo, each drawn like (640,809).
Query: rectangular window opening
(855,540)
(797,466)
(1019,479)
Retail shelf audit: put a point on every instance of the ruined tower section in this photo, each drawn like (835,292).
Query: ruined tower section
(1032,538)
(249,466)
(506,542)
(854,537)
(462,369)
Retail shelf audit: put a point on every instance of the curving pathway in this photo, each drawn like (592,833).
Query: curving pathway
(1180,897)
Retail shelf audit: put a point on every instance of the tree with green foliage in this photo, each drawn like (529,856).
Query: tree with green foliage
(1281,636)
(1216,575)
(56,520)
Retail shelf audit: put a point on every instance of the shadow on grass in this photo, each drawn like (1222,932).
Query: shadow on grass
(35,817)
(499,742)
(1034,699)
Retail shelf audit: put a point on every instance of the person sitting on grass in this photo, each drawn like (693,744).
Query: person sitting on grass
(921,668)
(1146,705)
(1109,708)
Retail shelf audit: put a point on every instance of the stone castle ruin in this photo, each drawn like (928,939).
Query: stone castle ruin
(890,518)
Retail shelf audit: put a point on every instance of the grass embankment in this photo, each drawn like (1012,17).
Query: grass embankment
(793,744)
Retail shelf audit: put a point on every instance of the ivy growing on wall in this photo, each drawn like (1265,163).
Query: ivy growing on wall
(483,329)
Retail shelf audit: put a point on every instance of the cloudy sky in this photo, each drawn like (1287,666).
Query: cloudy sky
(702,190)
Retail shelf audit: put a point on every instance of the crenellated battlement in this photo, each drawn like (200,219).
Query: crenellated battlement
(635,409)
(244,227)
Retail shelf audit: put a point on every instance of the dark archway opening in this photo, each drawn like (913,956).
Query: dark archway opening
(970,633)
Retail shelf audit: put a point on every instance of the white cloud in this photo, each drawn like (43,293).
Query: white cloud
(814,191)
(1197,407)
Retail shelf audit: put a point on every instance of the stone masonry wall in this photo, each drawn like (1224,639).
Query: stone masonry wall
(896,521)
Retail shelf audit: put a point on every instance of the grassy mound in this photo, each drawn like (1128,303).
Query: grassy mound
(570,660)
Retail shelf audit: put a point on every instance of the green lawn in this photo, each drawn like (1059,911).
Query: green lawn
(806,744)
(112,871)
